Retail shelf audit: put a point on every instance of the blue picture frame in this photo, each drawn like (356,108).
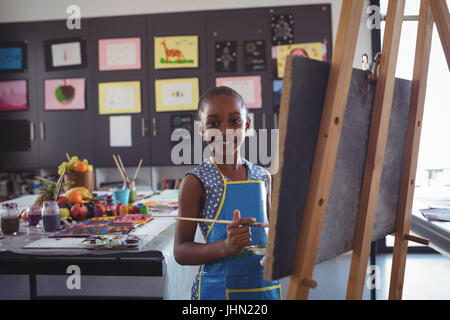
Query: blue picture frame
(13,56)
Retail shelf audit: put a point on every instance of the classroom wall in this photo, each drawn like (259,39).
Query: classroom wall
(26,10)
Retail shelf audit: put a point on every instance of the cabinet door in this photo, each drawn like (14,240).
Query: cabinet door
(109,28)
(29,159)
(240,26)
(173,24)
(61,131)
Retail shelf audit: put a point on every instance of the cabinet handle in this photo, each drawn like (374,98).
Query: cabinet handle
(155,131)
(42,130)
(32,131)
(264,126)
(143,128)
(275,120)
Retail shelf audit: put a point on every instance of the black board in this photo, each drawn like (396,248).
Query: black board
(308,80)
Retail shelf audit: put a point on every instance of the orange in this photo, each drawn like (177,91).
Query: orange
(80,166)
(75,197)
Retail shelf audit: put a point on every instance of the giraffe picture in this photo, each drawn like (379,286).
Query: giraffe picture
(176,52)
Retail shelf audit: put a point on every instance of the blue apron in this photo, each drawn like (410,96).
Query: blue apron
(238,277)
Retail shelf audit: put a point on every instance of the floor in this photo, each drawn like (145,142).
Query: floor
(427,277)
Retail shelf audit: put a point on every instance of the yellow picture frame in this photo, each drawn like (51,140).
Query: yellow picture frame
(312,50)
(119,97)
(176,94)
(176,52)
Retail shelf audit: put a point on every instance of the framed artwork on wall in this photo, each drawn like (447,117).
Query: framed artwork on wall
(119,97)
(13,56)
(176,52)
(64,94)
(119,54)
(176,94)
(13,95)
(249,87)
(63,54)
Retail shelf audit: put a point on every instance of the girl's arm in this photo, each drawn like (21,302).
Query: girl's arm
(188,252)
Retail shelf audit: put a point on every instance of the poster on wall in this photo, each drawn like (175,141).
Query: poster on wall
(64,94)
(226,55)
(176,94)
(120,131)
(312,50)
(255,55)
(13,56)
(176,52)
(119,54)
(13,95)
(119,97)
(64,54)
(282,29)
(249,87)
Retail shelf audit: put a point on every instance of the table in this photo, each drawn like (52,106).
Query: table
(438,232)
(150,273)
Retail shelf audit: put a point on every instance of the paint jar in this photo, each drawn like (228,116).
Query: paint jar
(123,210)
(110,209)
(133,193)
(50,216)
(34,215)
(10,219)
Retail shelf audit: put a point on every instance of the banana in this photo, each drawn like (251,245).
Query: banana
(81,190)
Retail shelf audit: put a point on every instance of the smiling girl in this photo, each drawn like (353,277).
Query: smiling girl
(225,187)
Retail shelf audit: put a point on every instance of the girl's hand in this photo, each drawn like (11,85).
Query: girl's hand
(239,235)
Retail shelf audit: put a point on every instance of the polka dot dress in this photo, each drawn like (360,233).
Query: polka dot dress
(212,181)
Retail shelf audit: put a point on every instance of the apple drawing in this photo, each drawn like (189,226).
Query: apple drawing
(65,93)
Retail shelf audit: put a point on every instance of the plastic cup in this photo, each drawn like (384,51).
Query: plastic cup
(122,195)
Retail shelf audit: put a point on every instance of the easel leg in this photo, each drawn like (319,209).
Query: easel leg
(326,148)
(375,150)
(417,100)
(442,17)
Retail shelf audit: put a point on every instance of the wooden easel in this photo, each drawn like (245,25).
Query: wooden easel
(329,135)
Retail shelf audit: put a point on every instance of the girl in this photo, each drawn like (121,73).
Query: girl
(225,187)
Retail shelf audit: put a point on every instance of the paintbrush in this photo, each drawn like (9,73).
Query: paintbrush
(255,224)
(118,168)
(137,170)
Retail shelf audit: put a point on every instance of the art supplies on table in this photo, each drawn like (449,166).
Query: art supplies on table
(162,208)
(114,242)
(104,226)
(436,214)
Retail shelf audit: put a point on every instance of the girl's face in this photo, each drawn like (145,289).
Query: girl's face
(224,124)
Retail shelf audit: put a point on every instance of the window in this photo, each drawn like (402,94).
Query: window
(433,170)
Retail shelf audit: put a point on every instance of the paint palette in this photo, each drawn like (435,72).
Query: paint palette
(258,250)
(114,241)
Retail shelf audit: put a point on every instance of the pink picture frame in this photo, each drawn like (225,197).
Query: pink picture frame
(249,87)
(64,94)
(119,54)
(13,95)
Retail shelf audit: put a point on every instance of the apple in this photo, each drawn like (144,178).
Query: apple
(62,200)
(78,212)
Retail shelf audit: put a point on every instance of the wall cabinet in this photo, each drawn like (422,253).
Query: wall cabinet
(86,133)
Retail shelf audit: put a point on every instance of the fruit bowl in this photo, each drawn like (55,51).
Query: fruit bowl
(79,173)
(80,179)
